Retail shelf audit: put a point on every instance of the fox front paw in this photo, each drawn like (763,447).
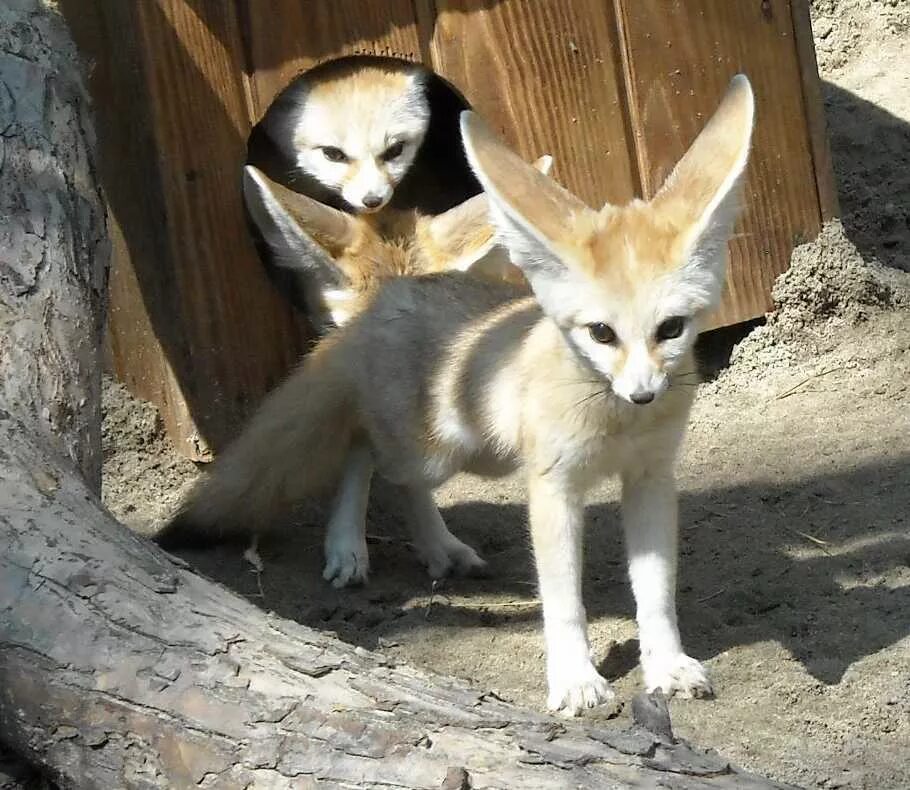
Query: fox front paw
(680,675)
(346,563)
(451,556)
(572,689)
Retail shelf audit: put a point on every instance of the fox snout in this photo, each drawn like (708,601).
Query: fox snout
(369,189)
(641,379)
(373,201)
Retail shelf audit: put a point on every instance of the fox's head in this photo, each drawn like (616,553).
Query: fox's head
(626,285)
(358,131)
(343,258)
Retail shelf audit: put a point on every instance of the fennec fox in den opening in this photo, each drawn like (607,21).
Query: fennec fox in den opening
(367,135)
(444,373)
(364,132)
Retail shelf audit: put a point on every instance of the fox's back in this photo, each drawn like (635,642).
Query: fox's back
(413,322)
(400,348)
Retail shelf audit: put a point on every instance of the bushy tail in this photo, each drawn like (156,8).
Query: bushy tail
(293,447)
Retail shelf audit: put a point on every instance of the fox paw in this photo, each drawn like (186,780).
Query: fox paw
(346,563)
(575,688)
(680,675)
(450,556)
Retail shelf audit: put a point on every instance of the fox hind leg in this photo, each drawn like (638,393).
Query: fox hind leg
(438,548)
(347,559)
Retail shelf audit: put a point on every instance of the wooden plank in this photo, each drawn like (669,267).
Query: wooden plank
(105,34)
(194,325)
(679,59)
(293,36)
(815,110)
(546,75)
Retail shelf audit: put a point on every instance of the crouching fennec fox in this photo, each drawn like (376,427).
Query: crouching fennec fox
(364,132)
(445,373)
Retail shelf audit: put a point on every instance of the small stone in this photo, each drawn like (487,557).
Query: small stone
(650,712)
(823,27)
(95,739)
(457,778)
(168,672)
(166,585)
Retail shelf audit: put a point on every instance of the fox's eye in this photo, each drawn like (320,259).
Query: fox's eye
(334,154)
(393,152)
(671,328)
(602,333)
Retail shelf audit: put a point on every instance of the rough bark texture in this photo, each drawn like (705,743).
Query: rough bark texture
(53,248)
(120,668)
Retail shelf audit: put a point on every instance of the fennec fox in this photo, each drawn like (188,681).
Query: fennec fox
(443,373)
(367,135)
(364,132)
(341,260)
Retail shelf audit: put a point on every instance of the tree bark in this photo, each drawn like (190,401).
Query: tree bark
(53,244)
(120,668)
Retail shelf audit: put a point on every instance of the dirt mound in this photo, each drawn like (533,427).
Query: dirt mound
(828,285)
(861,47)
(144,477)
(843,28)
(828,279)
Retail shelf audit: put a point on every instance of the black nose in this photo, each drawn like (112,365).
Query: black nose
(372,201)
(642,396)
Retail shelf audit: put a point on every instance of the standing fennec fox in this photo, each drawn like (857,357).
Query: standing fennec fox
(442,374)
(341,260)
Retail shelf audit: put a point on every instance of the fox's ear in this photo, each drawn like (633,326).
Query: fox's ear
(457,238)
(544,164)
(533,215)
(701,196)
(303,234)
(463,239)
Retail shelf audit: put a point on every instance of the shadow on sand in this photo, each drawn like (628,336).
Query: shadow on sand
(799,565)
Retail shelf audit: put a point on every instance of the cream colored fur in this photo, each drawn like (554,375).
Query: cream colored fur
(446,373)
(358,131)
(345,259)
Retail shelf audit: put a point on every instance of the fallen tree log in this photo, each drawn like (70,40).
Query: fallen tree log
(119,667)
(122,668)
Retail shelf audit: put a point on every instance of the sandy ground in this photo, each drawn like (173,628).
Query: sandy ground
(795,495)
(862,50)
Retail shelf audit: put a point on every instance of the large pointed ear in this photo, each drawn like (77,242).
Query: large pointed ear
(701,196)
(302,234)
(463,239)
(533,215)
(544,164)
